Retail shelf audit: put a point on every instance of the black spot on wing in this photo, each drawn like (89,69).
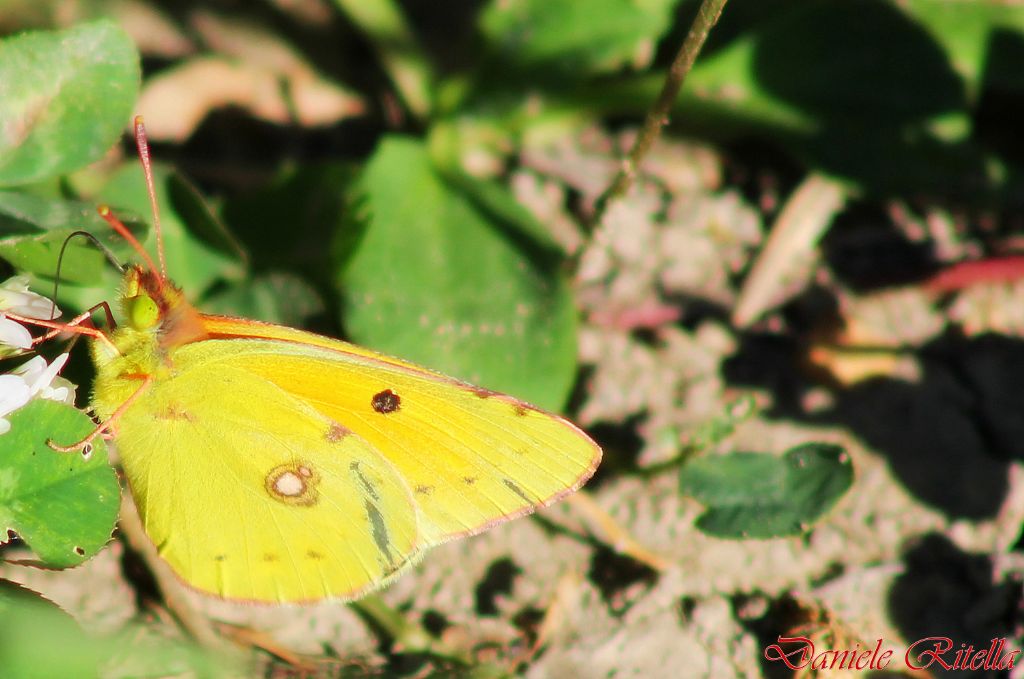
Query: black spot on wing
(386,402)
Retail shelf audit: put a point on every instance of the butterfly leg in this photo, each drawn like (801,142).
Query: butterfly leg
(85,445)
(75,325)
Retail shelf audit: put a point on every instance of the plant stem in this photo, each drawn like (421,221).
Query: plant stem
(405,635)
(657,117)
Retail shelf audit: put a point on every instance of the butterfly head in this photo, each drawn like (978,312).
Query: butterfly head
(144,298)
(138,303)
(151,303)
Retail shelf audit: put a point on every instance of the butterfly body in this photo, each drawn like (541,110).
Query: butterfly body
(274,465)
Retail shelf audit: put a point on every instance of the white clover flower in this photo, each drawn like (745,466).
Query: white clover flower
(13,334)
(33,379)
(18,299)
(14,393)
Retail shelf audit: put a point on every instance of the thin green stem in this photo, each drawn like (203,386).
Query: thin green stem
(657,117)
(405,635)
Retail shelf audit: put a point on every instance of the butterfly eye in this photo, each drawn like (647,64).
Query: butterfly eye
(142,311)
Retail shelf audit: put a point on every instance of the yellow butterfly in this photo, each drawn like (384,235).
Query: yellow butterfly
(275,465)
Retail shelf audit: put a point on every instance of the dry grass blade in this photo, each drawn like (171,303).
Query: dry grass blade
(786,260)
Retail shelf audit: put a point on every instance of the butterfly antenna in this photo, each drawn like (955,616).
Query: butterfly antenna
(111,257)
(122,230)
(142,143)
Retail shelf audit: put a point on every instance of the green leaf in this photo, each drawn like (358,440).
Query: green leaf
(61,504)
(190,206)
(866,92)
(717,429)
(33,229)
(33,628)
(860,91)
(756,495)
(438,276)
(276,297)
(493,201)
(827,62)
(836,60)
(982,39)
(568,37)
(283,224)
(65,97)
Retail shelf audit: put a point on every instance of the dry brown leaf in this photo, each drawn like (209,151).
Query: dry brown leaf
(311,12)
(176,101)
(251,44)
(254,69)
(153,32)
(878,330)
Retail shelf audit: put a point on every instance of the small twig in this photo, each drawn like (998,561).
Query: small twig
(657,117)
(617,537)
(248,637)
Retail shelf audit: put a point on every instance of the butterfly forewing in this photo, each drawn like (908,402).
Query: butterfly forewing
(471,458)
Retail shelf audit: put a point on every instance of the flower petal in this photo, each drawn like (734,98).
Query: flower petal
(14,393)
(30,370)
(14,334)
(61,390)
(17,298)
(41,380)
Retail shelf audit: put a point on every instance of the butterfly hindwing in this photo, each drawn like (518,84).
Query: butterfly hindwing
(249,493)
